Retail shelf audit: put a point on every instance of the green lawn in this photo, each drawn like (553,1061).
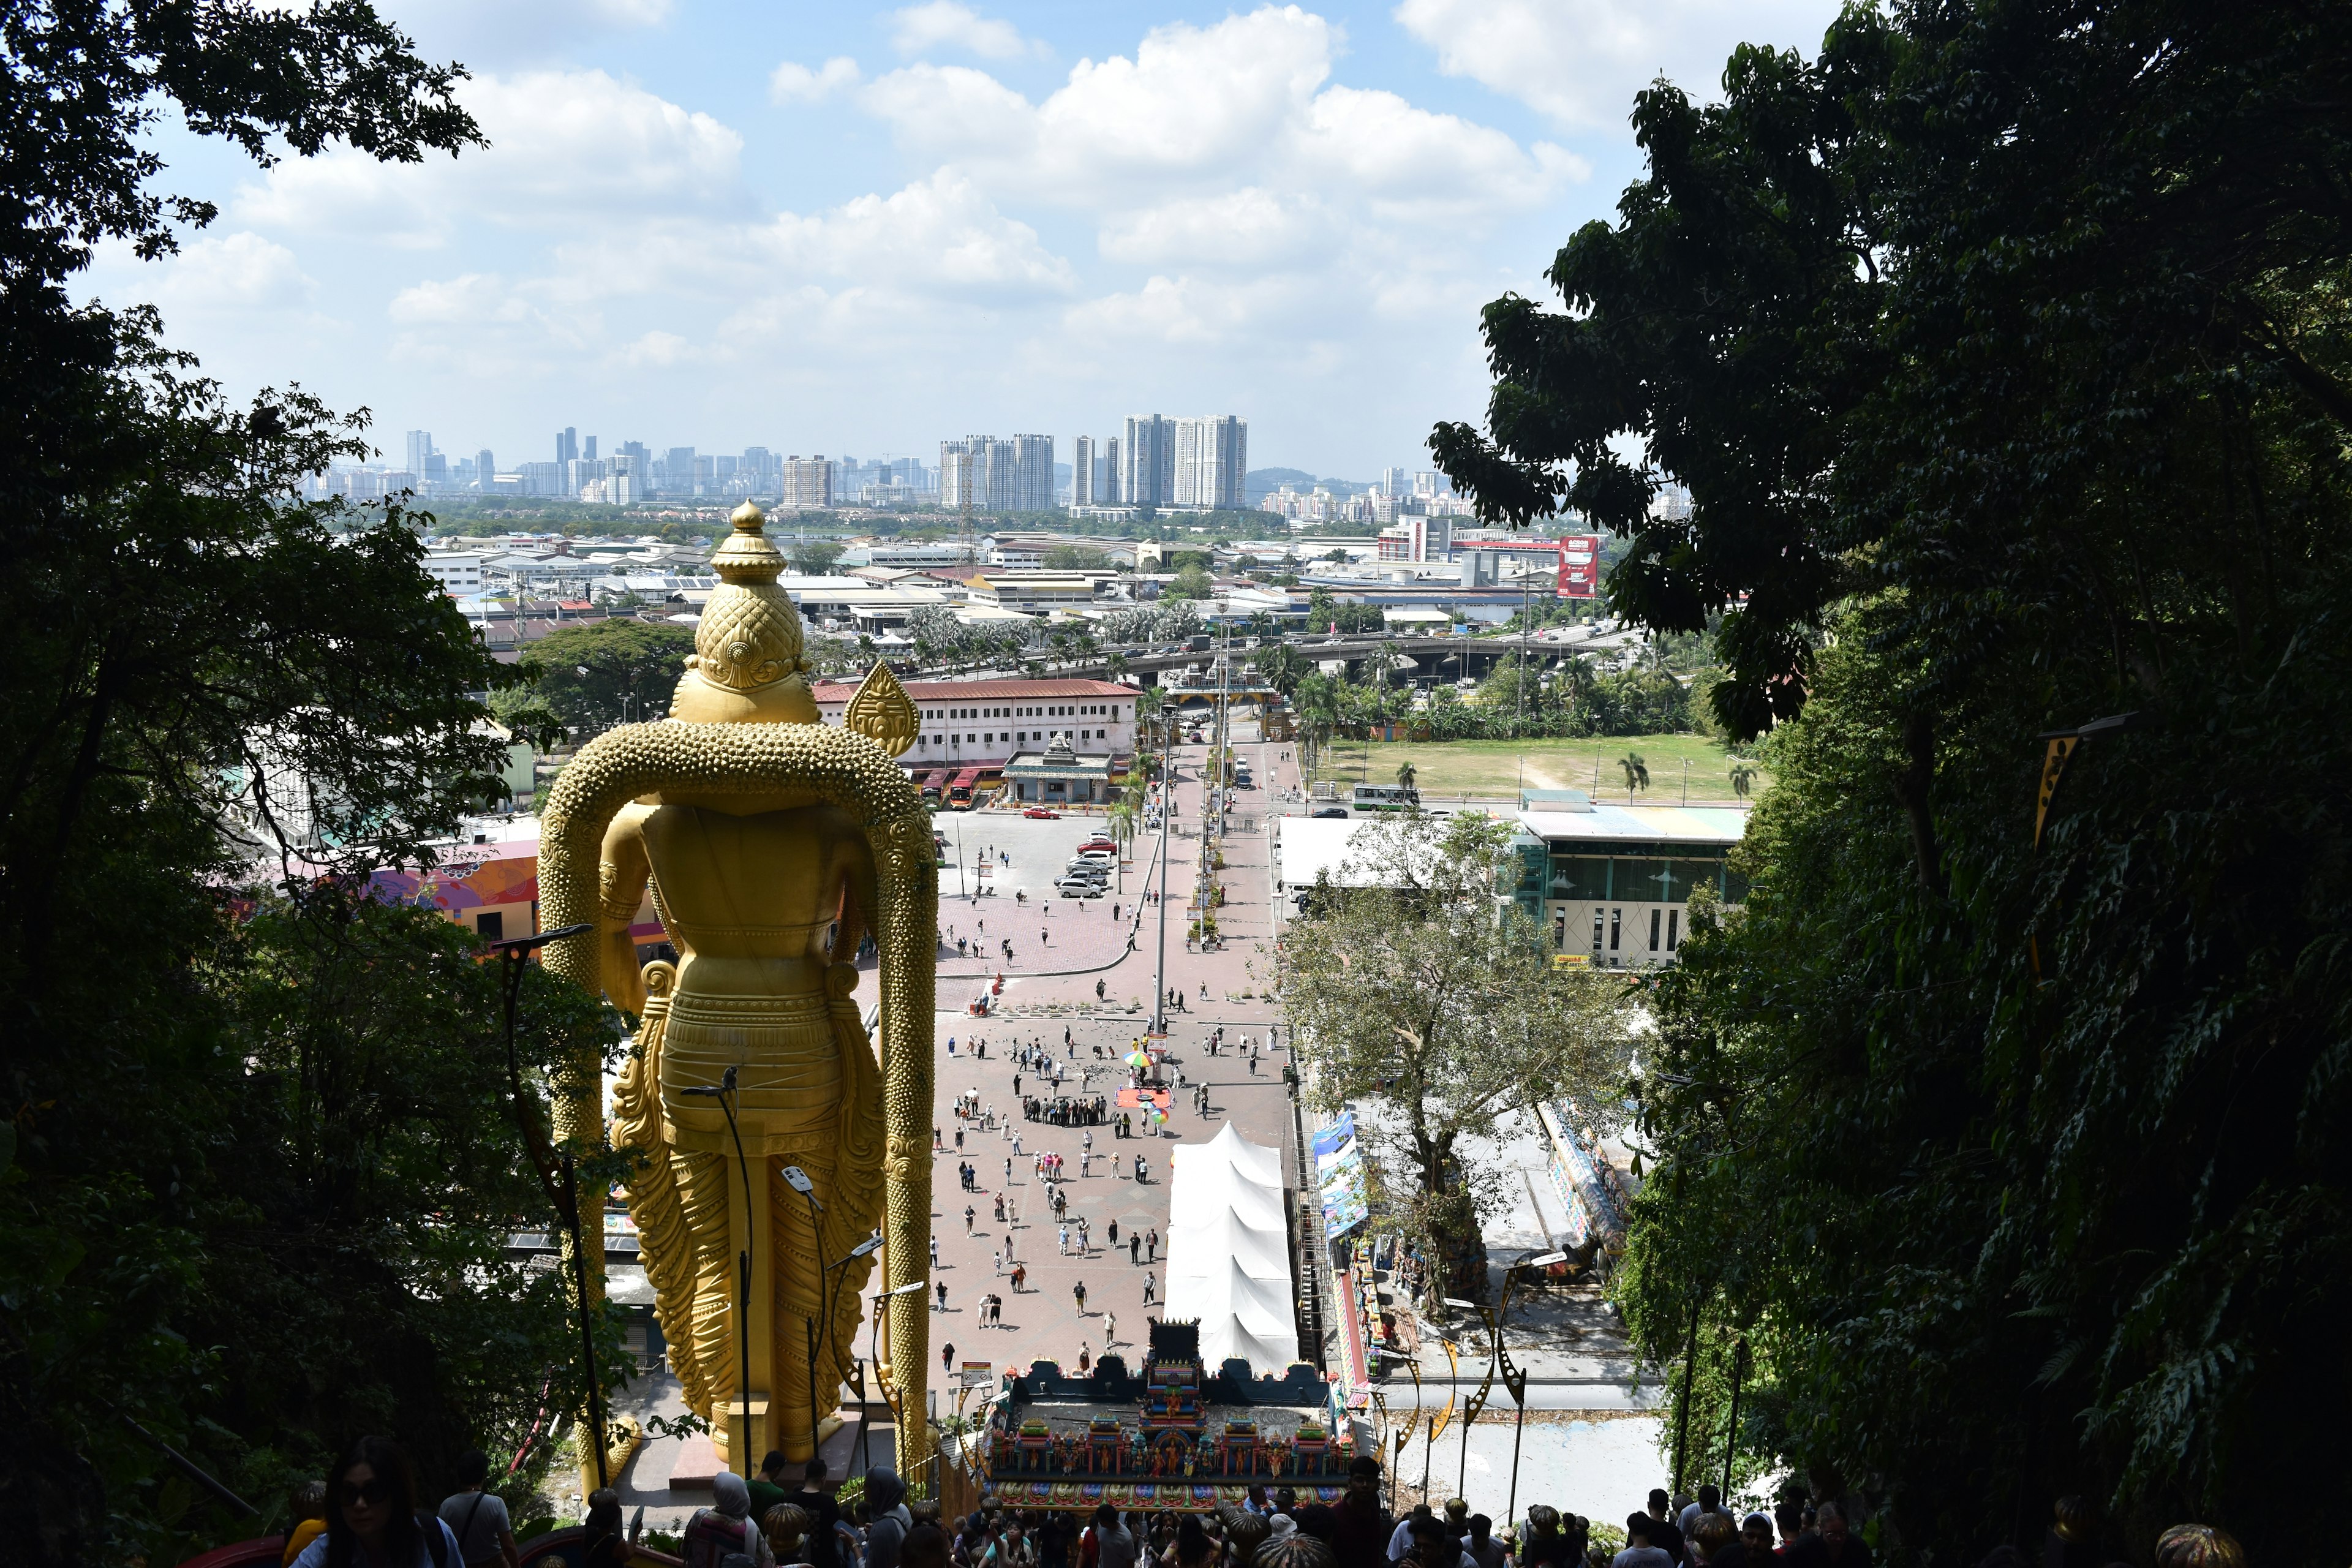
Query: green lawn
(1498,768)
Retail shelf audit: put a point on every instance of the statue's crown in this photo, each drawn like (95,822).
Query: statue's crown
(750,635)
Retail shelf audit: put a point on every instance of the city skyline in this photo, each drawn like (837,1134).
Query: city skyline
(871,227)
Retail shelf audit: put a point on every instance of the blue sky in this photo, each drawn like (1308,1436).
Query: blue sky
(838,229)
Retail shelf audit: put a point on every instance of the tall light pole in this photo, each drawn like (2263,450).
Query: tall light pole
(797,1179)
(1167,809)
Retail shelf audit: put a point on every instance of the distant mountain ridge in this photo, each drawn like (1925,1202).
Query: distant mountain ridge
(1259,483)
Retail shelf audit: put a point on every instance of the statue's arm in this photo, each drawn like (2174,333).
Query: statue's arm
(621,878)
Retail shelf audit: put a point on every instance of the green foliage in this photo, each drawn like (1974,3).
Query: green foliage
(1410,991)
(602,673)
(1191,582)
(1076,558)
(2003,350)
(815,557)
(258,1182)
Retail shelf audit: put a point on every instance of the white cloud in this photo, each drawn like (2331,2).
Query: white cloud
(936,236)
(794,83)
(1250,227)
(1206,112)
(562,144)
(233,272)
(919,28)
(1581,61)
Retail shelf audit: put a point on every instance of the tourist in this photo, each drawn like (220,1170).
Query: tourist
(969,1214)
(1151,1244)
(767,1488)
(306,1516)
(1110,1329)
(1663,1534)
(1434,1545)
(1640,1552)
(1400,1544)
(786,1528)
(1360,1527)
(1707,1501)
(725,1529)
(1078,1294)
(943,1295)
(477,1518)
(925,1546)
(1192,1547)
(1151,1288)
(1484,1549)
(1115,1546)
(1086,1358)
(1830,1545)
(1545,1546)
(1714,1540)
(887,1528)
(1134,1248)
(607,1546)
(372,1517)
(822,1512)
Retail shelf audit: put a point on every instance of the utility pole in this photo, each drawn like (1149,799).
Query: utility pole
(1167,809)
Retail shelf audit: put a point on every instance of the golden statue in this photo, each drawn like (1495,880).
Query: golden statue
(772,845)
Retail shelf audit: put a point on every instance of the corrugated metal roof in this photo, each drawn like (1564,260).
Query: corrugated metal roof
(1683,824)
(982,690)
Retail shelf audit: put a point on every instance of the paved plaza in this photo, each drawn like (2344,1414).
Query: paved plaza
(1062,950)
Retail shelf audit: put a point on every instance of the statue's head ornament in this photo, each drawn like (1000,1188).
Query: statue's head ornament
(748,665)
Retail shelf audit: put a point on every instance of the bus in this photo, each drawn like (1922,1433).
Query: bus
(935,784)
(1385,797)
(958,797)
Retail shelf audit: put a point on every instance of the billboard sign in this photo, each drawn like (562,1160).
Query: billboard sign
(1580,566)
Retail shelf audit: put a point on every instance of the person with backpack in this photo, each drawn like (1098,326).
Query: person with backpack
(478,1518)
(725,1529)
(373,1519)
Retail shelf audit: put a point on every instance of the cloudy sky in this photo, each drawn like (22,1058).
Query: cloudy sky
(830,228)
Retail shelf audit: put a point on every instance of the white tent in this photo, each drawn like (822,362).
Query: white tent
(1229,1252)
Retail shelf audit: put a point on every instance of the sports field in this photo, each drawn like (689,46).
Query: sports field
(1498,768)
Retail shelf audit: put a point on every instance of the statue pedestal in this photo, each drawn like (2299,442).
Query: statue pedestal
(746,1435)
(696,1467)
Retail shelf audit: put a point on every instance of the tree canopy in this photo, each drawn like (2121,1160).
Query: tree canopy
(602,673)
(2002,349)
(258,1168)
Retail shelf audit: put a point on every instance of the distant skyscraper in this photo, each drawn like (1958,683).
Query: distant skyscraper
(567,444)
(420,447)
(678,471)
(588,448)
(808,482)
(1108,484)
(1082,471)
(1029,480)
(486,468)
(1210,460)
(1148,464)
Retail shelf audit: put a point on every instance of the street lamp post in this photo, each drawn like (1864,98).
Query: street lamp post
(797,1179)
(881,1306)
(724,1092)
(1167,809)
(564,1196)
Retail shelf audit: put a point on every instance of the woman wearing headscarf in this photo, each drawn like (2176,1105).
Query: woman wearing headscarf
(725,1528)
(886,1495)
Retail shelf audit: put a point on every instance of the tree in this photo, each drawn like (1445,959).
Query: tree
(1191,582)
(1743,778)
(1406,773)
(1636,770)
(1404,987)
(608,672)
(1941,331)
(1280,666)
(815,557)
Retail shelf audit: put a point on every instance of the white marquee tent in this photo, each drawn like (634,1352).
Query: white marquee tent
(1229,1252)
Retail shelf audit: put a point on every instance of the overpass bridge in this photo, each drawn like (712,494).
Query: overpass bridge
(1435,657)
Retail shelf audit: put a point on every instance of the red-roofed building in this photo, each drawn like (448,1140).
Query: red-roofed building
(982,724)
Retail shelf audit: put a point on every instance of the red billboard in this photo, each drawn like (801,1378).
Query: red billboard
(1580,566)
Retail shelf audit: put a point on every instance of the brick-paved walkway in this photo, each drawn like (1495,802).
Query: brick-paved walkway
(1044,1320)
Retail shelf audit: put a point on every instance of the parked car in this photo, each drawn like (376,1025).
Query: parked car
(1100,857)
(1329,811)
(1042,815)
(1080,887)
(1080,868)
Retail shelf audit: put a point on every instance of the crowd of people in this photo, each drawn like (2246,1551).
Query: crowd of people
(369,1514)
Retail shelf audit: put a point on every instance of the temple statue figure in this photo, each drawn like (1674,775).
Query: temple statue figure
(772,845)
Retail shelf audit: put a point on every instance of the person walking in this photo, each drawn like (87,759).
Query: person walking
(1064,1250)
(1151,1244)
(946,1357)
(943,1295)
(1151,1288)
(478,1518)
(1134,1248)
(969,1213)
(1110,1329)
(1078,1294)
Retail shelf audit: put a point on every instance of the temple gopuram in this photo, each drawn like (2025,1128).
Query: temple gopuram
(1172,1436)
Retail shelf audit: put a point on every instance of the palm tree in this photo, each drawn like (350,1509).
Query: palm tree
(1743,778)
(1406,774)
(1637,772)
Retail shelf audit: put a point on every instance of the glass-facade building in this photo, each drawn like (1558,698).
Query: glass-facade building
(1610,886)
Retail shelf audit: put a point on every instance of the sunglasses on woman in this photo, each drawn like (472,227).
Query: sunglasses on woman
(368,1492)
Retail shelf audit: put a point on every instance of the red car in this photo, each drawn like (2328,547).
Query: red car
(1043,813)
